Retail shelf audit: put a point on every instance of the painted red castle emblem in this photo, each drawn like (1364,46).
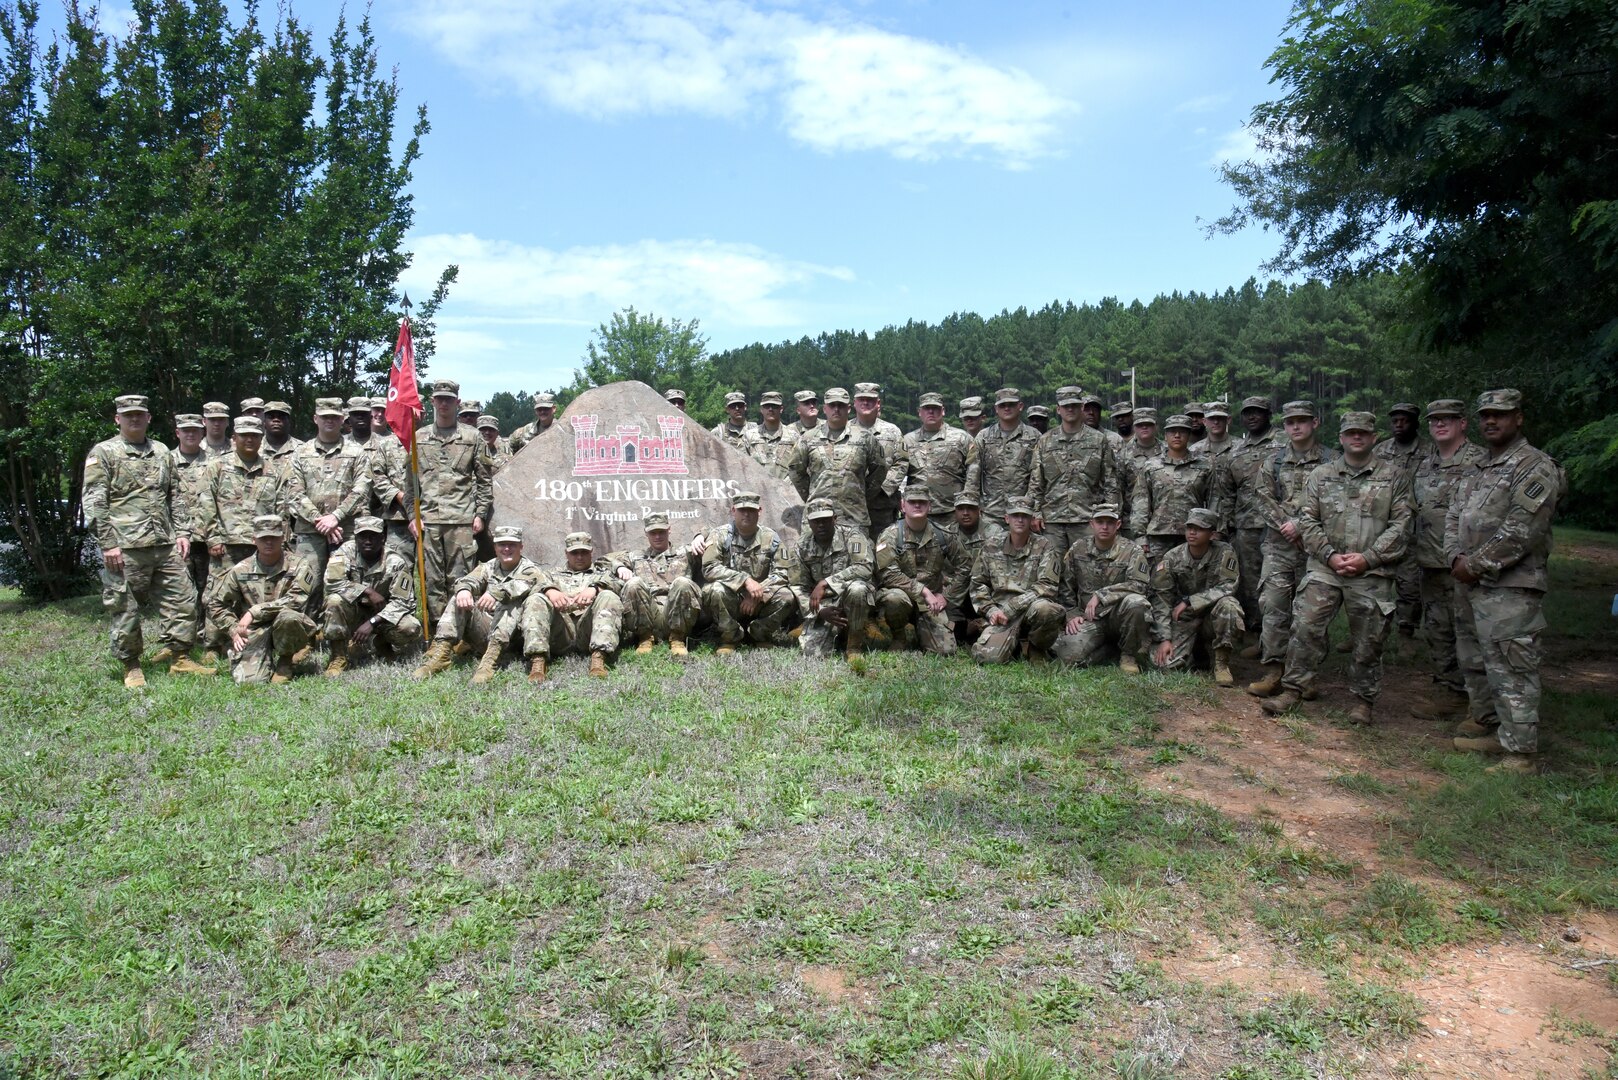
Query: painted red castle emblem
(626,450)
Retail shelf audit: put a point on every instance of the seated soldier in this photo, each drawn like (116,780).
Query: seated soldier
(831,577)
(490,607)
(1193,596)
(922,575)
(258,604)
(973,532)
(660,596)
(1014,588)
(370,598)
(1104,582)
(745,589)
(576,610)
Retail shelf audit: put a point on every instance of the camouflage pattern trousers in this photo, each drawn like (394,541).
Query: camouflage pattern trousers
(342,616)
(724,606)
(1407,577)
(1216,629)
(197,564)
(1122,624)
(548,632)
(1370,604)
(1249,547)
(1040,625)
(151,576)
(1497,641)
(1438,627)
(1284,568)
(450,552)
(672,615)
(269,645)
(853,599)
(481,629)
(934,632)
(1064,534)
(316,548)
(212,636)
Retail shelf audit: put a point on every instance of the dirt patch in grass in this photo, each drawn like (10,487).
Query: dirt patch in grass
(1243,957)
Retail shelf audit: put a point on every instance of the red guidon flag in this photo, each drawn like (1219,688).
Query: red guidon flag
(404,400)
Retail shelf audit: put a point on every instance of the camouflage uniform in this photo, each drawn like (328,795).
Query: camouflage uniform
(322,480)
(395,624)
(845,564)
(388,468)
(597,629)
(1133,458)
(1279,483)
(773,450)
(727,562)
(1207,586)
(1500,521)
(846,467)
(1165,490)
(905,564)
(517,600)
(1213,450)
(945,462)
(279,454)
(1243,511)
(499,453)
(192,471)
(1407,578)
(795,431)
(135,500)
(1023,584)
(233,493)
(1069,474)
(1118,577)
(1433,488)
(1345,509)
(737,438)
(278,597)
(454,488)
(527,434)
(662,600)
(1005,467)
(883,507)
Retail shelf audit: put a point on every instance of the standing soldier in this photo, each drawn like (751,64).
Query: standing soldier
(326,486)
(1143,446)
(260,606)
(577,609)
(922,576)
(1123,423)
(1166,488)
(544,417)
(1005,455)
(499,447)
(831,579)
(1354,522)
(252,406)
(216,417)
(234,492)
(190,463)
(1279,482)
(772,447)
(1193,594)
(1073,470)
(387,465)
(1038,417)
(379,416)
(471,409)
(883,507)
(1195,412)
(370,598)
(837,461)
(1239,503)
(744,573)
(939,458)
(675,397)
(1439,470)
(1404,448)
(971,414)
(455,495)
(491,607)
(1104,582)
(1014,590)
(1497,537)
(1216,421)
(135,506)
(735,430)
(278,441)
(808,409)
(660,596)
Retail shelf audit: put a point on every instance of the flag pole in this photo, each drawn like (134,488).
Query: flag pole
(415,483)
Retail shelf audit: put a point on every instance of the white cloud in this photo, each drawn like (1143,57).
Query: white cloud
(1235,147)
(1205,103)
(832,85)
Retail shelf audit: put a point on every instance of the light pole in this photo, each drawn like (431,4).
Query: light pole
(1131,373)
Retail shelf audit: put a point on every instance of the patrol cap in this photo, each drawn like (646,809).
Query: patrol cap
(744,500)
(547,400)
(1357,421)
(251,403)
(1008,395)
(248,425)
(1202,518)
(512,534)
(1037,411)
(446,388)
(1445,407)
(1020,506)
(379,403)
(655,520)
(1499,401)
(867,389)
(1178,420)
(214,409)
(329,406)
(836,394)
(935,400)
(1294,410)
(278,407)
(670,394)
(917,493)
(972,406)
(1105,510)
(1258,401)
(577,541)
(1405,407)
(819,509)
(1145,415)
(487,421)
(966,498)
(735,397)
(360,404)
(1069,395)
(189,419)
(1216,408)
(268,525)
(1195,408)
(130,403)
(805,397)
(368,524)
(771,397)
(1123,408)
(1092,399)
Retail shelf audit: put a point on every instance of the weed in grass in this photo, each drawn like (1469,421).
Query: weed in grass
(1478,911)
(1399,911)
(1012,1058)
(1064,1001)
(972,942)
(1364,784)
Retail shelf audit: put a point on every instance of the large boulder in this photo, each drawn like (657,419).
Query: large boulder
(617,453)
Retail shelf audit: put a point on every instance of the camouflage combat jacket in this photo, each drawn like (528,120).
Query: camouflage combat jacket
(1432,489)
(1011,580)
(1165,490)
(892,440)
(499,453)
(263,591)
(1279,482)
(1199,583)
(657,571)
(987,533)
(846,467)
(233,494)
(730,559)
(1241,504)
(387,464)
(773,449)
(348,575)
(192,472)
(1005,464)
(1131,459)
(1365,510)
(324,480)
(1500,517)
(279,456)
(946,461)
(526,434)
(225,449)
(844,559)
(506,586)
(1213,450)
(599,576)
(455,481)
(737,438)
(796,430)
(1071,473)
(1109,575)
(133,495)
(1405,457)
(937,561)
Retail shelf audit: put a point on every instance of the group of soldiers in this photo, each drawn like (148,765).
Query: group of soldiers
(1056,541)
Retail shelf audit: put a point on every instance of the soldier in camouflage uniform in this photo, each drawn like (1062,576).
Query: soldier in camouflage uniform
(1277,485)
(544,417)
(1193,596)
(190,461)
(278,441)
(1073,470)
(254,407)
(1142,448)
(939,458)
(136,508)
(576,609)
(1038,417)
(1497,537)
(1439,470)
(260,605)
(233,491)
(387,464)
(838,461)
(1404,448)
(379,416)
(370,598)
(1217,442)
(975,532)
(808,409)
(455,493)
(675,397)
(735,431)
(216,418)
(1166,488)
(1014,589)
(471,409)
(660,595)
(830,576)
(922,577)
(1123,423)
(1354,517)
(326,486)
(491,606)
(1104,582)
(499,446)
(772,445)
(971,414)
(744,574)
(883,508)
(1238,500)
(1005,455)
(1194,412)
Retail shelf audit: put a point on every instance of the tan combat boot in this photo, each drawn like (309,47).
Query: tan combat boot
(1361,714)
(876,636)
(646,645)
(283,671)
(134,677)
(187,666)
(302,654)
(725,649)
(1221,668)
(462,647)
(210,657)
(165,655)
(598,665)
(1523,763)
(1472,729)
(677,647)
(1128,664)
(1269,685)
(1440,703)
(536,668)
(1281,702)
(439,658)
(486,666)
(1489,744)
(339,660)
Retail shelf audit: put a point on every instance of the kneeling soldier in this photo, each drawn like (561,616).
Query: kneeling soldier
(1104,582)
(660,597)
(370,597)
(490,607)
(831,577)
(1014,587)
(259,605)
(744,569)
(576,610)
(1193,596)
(922,574)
